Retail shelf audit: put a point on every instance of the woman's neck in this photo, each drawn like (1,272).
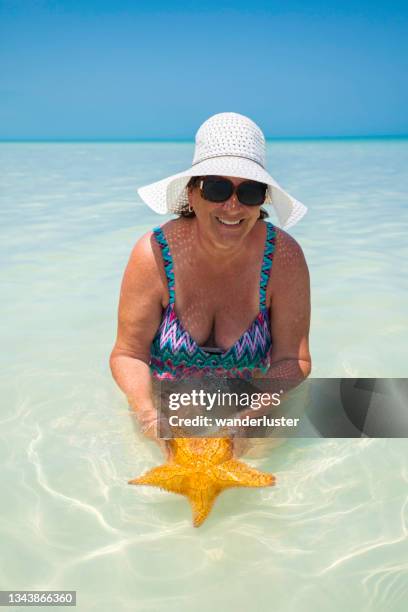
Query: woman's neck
(221,256)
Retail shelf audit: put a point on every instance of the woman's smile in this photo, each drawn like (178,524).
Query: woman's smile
(231,223)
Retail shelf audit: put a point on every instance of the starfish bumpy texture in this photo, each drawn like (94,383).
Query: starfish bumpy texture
(200,469)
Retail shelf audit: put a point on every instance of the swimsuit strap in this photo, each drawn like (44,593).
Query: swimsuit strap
(168,262)
(267,262)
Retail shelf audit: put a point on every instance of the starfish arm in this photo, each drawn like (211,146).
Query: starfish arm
(234,473)
(170,477)
(202,500)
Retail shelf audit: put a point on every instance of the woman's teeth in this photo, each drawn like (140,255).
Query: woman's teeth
(225,222)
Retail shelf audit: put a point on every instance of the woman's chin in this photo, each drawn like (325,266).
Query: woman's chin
(229,230)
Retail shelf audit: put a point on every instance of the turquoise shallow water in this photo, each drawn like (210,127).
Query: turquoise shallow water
(332,533)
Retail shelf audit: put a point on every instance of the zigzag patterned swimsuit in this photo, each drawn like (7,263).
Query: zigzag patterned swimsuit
(175,354)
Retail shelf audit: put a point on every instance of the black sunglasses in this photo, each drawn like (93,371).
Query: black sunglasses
(219,189)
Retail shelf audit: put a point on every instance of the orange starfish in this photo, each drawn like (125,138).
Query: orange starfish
(200,469)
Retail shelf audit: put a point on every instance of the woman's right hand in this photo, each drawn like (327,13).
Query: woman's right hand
(151,426)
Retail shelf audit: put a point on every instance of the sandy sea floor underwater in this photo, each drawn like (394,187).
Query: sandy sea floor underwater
(332,534)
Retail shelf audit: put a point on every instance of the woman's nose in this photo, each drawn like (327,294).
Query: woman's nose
(232,202)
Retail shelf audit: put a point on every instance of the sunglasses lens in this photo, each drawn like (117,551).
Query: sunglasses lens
(252,193)
(217,189)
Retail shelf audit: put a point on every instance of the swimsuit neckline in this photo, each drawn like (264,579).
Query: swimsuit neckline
(221,355)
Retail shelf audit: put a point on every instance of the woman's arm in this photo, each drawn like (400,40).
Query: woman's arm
(140,308)
(289,287)
(290,313)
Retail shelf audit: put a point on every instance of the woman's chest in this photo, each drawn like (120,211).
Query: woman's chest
(217,311)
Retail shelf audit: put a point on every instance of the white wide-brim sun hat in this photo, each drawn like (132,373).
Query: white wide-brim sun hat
(227,144)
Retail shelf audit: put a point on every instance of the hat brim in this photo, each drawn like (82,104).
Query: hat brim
(169,195)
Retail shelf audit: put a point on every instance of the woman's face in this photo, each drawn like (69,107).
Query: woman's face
(213,217)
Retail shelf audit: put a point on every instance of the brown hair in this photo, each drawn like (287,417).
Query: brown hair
(185,212)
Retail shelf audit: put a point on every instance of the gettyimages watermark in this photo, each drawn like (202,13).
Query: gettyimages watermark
(208,401)
(317,407)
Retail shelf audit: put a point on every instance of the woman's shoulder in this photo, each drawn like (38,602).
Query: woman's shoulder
(288,254)
(149,246)
(145,249)
(146,262)
(175,234)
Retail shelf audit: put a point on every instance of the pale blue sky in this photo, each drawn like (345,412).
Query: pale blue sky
(130,70)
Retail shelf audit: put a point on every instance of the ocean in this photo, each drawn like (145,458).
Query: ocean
(332,534)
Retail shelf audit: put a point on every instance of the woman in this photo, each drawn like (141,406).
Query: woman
(216,290)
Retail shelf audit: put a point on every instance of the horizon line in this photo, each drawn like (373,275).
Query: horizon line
(191,140)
